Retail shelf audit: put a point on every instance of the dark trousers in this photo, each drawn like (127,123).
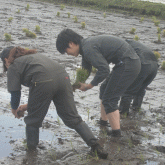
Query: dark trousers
(117,82)
(137,88)
(59,91)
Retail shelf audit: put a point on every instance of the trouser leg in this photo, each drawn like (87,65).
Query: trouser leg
(125,104)
(32,137)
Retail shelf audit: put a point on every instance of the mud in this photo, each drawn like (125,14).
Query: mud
(143,140)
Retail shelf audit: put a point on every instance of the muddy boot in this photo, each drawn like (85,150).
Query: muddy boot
(85,132)
(137,102)
(32,137)
(125,104)
(114,133)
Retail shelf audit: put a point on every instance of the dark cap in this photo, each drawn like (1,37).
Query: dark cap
(6,52)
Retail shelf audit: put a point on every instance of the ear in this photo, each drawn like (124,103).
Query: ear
(71,44)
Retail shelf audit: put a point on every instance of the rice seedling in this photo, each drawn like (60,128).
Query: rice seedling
(104,15)
(7,37)
(10,19)
(27,7)
(68,15)
(158,30)
(132,31)
(157,55)
(83,25)
(37,29)
(58,14)
(62,7)
(94,70)
(163,65)
(75,19)
(159,38)
(81,76)
(136,38)
(163,33)
(142,19)
(29,33)
(18,11)
(156,22)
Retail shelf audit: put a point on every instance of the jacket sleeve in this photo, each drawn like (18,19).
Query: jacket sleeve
(15,99)
(96,59)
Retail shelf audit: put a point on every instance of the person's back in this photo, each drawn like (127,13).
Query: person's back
(34,68)
(145,53)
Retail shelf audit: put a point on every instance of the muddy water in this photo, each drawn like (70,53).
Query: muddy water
(143,140)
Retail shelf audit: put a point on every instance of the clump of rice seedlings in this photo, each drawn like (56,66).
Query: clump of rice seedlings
(68,15)
(136,38)
(156,22)
(10,19)
(27,7)
(29,33)
(132,31)
(153,18)
(163,33)
(26,48)
(83,25)
(18,11)
(159,38)
(159,30)
(75,19)
(7,37)
(81,76)
(163,65)
(94,70)
(157,55)
(142,19)
(37,29)
(62,7)
(58,14)
(104,15)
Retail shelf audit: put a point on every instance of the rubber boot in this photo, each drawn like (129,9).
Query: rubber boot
(137,102)
(85,132)
(125,104)
(32,137)
(138,99)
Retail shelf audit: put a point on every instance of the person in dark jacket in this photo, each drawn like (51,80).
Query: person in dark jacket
(99,51)
(47,81)
(136,91)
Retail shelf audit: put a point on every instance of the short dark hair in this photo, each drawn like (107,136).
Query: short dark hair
(66,36)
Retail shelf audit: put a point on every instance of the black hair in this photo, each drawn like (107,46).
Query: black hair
(66,36)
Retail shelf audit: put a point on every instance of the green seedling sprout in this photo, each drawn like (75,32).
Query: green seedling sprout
(136,38)
(10,19)
(156,22)
(83,25)
(153,18)
(27,7)
(68,15)
(81,76)
(132,31)
(157,54)
(58,14)
(62,7)
(142,19)
(58,120)
(163,33)
(18,11)
(158,30)
(7,37)
(104,15)
(75,19)
(29,33)
(159,38)
(37,29)
(88,111)
(163,65)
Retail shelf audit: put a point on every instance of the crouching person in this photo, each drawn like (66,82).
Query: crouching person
(47,81)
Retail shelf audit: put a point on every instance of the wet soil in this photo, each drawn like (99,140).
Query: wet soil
(143,140)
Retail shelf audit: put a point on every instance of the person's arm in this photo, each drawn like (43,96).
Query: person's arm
(99,62)
(15,100)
